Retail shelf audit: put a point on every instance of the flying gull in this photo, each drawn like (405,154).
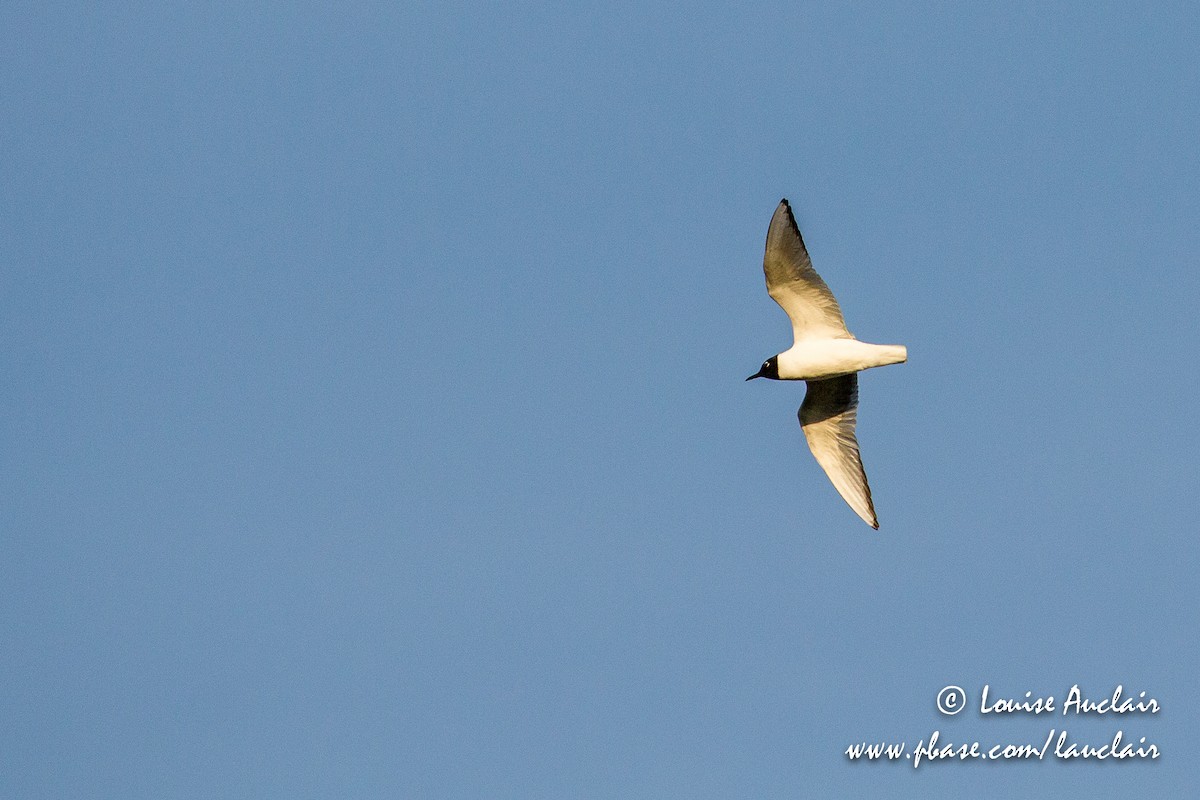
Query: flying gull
(826,356)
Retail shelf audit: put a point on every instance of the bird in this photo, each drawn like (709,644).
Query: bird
(826,356)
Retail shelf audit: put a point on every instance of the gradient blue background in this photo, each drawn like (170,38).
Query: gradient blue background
(373,420)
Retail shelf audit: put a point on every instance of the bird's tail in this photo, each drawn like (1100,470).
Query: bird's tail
(895,354)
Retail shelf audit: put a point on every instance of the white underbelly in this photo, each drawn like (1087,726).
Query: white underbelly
(828,358)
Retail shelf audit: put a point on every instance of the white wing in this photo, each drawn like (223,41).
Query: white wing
(795,285)
(827,417)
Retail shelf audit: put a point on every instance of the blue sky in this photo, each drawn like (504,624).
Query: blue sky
(374,421)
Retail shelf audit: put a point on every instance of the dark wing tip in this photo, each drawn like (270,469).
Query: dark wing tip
(791,218)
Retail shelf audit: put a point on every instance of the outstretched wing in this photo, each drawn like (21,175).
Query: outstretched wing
(795,285)
(827,417)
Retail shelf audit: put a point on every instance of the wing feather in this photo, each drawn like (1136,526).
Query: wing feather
(795,285)
(827,417)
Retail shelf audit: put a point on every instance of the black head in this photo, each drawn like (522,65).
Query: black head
(770,369)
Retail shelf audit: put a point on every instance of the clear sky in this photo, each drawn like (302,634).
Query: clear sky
(373,420)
